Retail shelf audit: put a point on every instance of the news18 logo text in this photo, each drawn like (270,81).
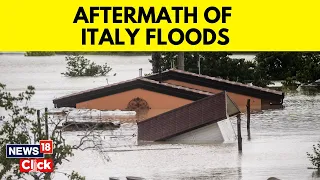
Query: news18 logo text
(32,156)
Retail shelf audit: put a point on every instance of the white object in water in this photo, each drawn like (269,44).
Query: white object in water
(204,135)
(219,132)
(227,130)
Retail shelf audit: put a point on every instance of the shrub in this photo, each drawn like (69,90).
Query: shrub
(39,53)
(315,157)
(81,66)
(21,128)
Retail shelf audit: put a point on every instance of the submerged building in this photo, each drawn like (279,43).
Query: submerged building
(260,98)
(177,105)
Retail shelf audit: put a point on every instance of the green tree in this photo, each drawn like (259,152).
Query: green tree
(290,66)
(21,128)
(162,61)
(218,64)
(123,53)
(39,53)
(309,70)
(80,66)
(279,65)
(261,77)
(315,157)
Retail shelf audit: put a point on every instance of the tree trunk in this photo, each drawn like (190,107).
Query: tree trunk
(181,61)
(156,62)
(47,176)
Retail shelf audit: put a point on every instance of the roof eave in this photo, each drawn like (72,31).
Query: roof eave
(261,93)
(164,88)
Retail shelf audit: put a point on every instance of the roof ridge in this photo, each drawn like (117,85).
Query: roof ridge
(97,88)
(131,80)
(177,86)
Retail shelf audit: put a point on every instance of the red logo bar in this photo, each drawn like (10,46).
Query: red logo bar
(36,165)
(46,146)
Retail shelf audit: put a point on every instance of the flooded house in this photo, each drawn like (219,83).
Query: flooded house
(203,121)
(260,98)
(147,97)
(177,106)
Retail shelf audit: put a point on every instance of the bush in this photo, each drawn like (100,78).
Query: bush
(289,81)
(80,66)
(21,128)
(39,53)
(315,158)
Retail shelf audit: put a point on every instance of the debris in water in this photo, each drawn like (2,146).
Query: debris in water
(80,126)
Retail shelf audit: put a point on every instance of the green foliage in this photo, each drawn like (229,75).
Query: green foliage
(315,157)
(14,132)
(103,53)
(157,62)
(217,64)
(81,66)
(289,81)
(76,176)
(301,66)
(288,66)
(290,84)
(260,77)
(75,53)
(277,65)
(39,53)
(20,128)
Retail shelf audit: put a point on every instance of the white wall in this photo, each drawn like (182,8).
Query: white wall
(214,133)
(227,130)
(205,135)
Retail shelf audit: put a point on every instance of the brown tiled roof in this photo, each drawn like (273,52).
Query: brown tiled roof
(94,89)
(176,86)
(218,83)
(148,84)
(184,119)
(229,82)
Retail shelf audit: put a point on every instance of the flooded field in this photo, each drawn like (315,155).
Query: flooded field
(277,148)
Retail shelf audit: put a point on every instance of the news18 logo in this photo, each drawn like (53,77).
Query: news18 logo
(32,156)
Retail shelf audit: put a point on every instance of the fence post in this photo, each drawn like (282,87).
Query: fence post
(239,132)
(248,119)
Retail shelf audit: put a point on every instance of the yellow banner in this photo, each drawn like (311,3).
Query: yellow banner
(160,25)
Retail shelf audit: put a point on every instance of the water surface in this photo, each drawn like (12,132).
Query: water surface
(278,146)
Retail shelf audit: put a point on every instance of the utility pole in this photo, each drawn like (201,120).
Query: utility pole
(181,61)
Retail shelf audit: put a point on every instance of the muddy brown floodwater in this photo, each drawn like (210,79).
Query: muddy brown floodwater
(278,146)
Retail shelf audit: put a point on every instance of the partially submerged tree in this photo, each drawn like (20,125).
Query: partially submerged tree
(80,66)
(20,127)
(290,66)
(217,64)
(315,156)
(39,53)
